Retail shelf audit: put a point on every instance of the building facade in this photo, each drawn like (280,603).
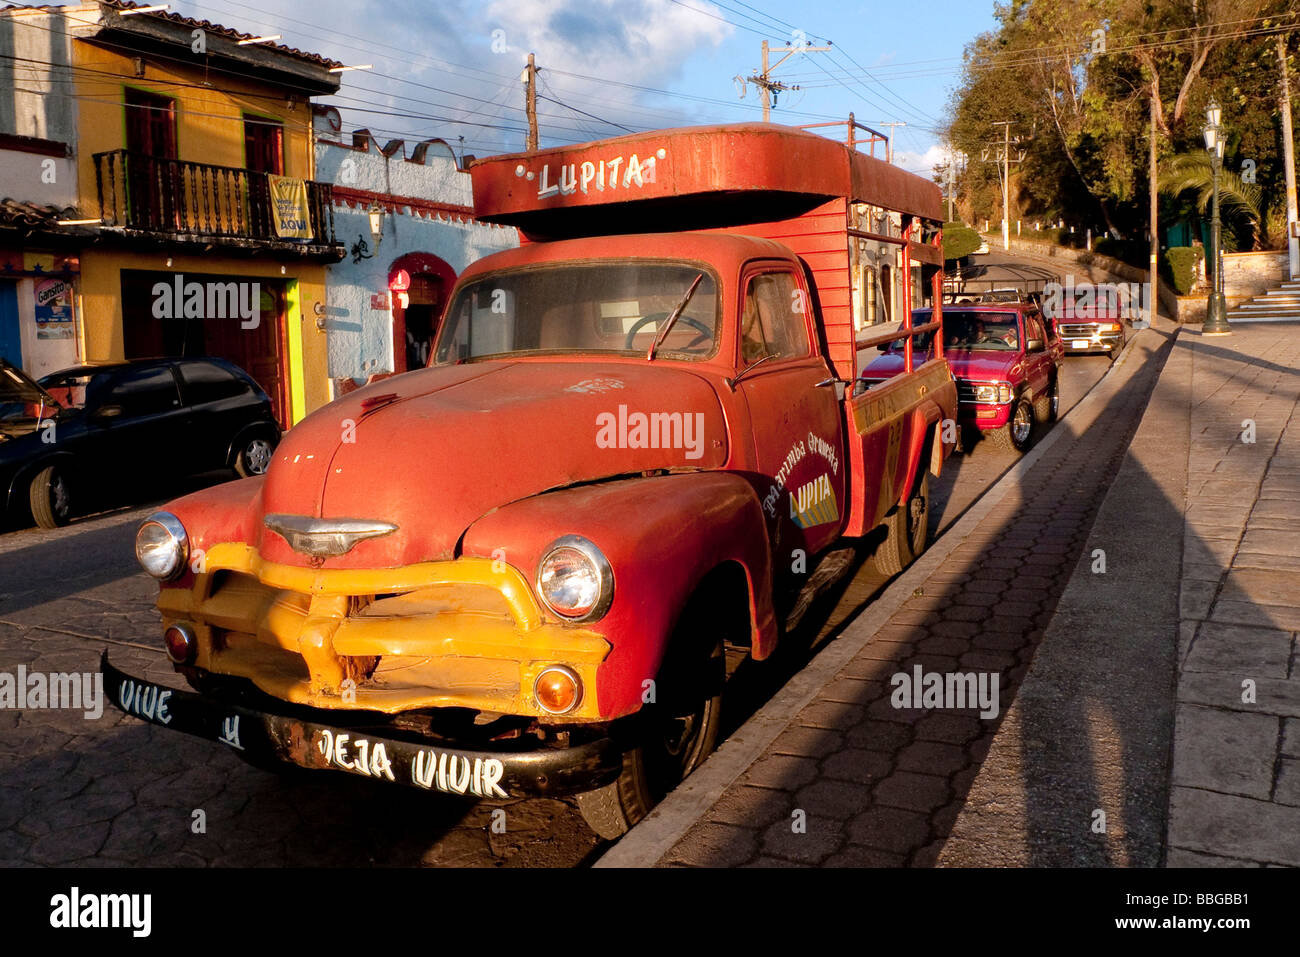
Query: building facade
(197,224)
(408,227)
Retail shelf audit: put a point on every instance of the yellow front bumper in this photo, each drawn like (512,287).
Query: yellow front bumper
(466,633)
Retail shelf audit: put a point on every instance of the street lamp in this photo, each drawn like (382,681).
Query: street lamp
(1216,309)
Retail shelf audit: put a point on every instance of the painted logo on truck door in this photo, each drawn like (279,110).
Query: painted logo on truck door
(814,503)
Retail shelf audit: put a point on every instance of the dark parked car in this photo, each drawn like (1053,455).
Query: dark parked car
(86,434)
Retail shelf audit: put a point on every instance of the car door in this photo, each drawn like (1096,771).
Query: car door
(798,444)
(218,405)
(141,425)
(1039,360)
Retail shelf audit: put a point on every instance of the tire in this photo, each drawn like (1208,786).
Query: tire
(1047,407)
(907,528)
(50,498)
(1018,434)
(675,734)
(254,456)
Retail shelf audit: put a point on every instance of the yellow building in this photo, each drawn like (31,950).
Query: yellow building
(193,148)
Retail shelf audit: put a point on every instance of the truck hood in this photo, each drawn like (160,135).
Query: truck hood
(972,364)
(965,364)
(434,450)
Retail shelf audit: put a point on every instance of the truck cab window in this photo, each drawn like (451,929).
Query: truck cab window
(769,325)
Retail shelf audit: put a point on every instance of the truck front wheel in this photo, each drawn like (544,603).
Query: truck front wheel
(674,734)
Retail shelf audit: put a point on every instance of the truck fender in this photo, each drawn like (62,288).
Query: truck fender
(662,535)
(923,421)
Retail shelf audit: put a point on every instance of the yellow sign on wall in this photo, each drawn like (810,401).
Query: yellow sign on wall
(289,207)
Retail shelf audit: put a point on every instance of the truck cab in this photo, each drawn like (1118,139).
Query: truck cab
(513,572)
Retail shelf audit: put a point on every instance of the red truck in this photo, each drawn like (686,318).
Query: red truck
(513,572)
(1006,359)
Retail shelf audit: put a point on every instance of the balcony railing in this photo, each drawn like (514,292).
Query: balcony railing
(183,200)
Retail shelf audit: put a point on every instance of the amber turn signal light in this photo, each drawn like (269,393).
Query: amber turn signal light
(557,689)
(181,643)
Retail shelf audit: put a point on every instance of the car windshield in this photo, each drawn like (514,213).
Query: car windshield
(20,398)
(72,390)
(614,308)
(980,331)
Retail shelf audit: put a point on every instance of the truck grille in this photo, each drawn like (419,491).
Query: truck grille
(1080,330)
(965,390)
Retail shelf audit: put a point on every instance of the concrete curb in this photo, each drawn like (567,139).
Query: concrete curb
(647,843)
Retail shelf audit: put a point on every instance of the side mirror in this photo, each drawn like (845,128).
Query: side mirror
(106,413)
(1034,345)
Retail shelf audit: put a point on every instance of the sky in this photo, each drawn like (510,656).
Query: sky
(451,68)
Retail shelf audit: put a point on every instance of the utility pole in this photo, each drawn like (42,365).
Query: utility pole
(768,86)
(529,78)
(1004,173)
(889,152)
(950,171)
(1155,212)
(1288,152)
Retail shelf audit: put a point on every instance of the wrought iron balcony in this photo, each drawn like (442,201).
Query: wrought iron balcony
(153,197)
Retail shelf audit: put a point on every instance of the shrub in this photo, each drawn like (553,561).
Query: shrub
(959,240)
(1182,262)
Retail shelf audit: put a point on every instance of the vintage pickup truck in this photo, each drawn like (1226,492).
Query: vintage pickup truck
(513,572)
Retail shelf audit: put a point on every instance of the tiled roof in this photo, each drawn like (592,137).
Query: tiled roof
(16,212)
(226,32)
(206,25)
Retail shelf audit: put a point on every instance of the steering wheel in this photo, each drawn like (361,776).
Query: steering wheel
(705,331)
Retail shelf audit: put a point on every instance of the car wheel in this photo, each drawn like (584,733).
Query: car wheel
(255,457)
(907,528)
(51,498)
(1018,434)
(675,734)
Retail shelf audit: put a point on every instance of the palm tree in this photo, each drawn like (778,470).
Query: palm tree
(1193,171)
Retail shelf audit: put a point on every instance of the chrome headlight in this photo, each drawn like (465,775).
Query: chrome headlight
(161,546)
(994,392)
(575,580)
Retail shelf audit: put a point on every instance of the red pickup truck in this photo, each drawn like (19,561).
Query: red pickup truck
(1006,360)
(513,572)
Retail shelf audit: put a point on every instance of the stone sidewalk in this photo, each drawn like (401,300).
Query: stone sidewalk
(1151,701)
(832,772)
(1236,769)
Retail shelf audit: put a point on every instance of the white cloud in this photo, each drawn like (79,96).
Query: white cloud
(638,41)
(920,163)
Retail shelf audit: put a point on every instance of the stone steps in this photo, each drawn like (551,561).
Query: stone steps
(1279,304)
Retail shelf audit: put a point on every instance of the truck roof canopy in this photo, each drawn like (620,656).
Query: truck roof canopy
(701,177)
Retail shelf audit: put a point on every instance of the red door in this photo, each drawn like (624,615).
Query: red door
(798,441)
(153,181)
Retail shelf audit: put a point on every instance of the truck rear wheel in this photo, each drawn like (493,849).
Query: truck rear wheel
(676,733)
(907,528)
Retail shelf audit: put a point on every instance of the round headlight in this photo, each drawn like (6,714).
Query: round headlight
(161,546)
(575,580)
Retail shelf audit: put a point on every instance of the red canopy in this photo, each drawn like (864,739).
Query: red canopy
(701,177)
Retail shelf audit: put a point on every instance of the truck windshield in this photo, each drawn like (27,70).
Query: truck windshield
(980,331)
(606,308)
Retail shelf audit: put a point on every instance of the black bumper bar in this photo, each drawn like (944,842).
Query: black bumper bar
(265,736)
